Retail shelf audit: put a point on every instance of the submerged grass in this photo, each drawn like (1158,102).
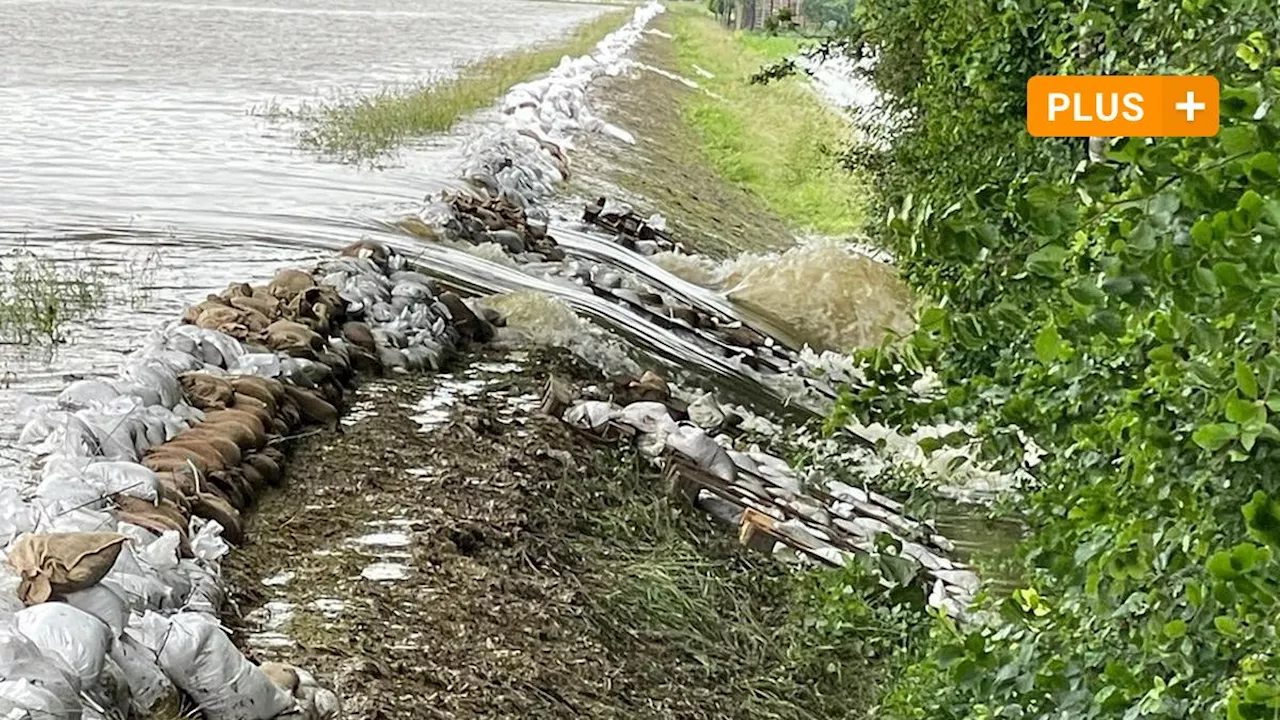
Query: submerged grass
(40,295)
(778,140)
(365,127)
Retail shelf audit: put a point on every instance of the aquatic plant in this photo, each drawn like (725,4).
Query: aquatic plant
(40,295)
(366,127)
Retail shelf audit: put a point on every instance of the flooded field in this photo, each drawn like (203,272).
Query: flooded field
(130,141)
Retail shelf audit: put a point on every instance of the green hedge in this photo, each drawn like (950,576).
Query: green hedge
(1123,314)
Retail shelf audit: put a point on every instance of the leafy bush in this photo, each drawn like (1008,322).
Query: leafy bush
(1122,313)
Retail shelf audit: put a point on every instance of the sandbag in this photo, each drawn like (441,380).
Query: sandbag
(247,419)
(102,603)
(695,444)
(78,638)
(151,693)
(212,507)
(40,684)
(202,661)
(62,563)
(205,391)
(314,409)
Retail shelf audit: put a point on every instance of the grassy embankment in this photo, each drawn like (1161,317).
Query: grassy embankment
(776,140)
(365,127)
(733,167)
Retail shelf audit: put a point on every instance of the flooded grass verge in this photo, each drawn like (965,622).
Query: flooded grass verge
(365,127)
(480,559)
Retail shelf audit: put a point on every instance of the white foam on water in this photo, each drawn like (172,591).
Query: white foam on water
(385,572)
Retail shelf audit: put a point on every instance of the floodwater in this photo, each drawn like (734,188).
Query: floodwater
(128,138)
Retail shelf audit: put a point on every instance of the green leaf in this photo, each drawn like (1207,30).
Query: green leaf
(1175,629)
(1226,626)
(1047,261)
(1238,139)
(1213,437)
(1086,292)
(1246,381)
(1264,168)
(1206,281)
(1047,342)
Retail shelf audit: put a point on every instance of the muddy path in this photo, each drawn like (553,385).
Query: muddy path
(452,553)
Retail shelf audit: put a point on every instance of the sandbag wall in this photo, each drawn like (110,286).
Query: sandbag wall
(759,494)
(111,589)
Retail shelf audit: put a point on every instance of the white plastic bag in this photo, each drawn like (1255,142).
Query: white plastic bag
(79,639)
(37,683)
(202,661)
(148,685)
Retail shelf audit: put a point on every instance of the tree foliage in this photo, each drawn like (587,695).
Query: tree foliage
(1123,314)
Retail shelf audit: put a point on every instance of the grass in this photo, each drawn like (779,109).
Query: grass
(776,140)
(366,127)
(668,586)
(39,296)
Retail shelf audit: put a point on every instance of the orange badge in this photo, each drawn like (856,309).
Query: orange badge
(1122,106)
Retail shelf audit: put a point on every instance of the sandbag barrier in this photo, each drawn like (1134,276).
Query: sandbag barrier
(759,494)
(646,236)
(111,589)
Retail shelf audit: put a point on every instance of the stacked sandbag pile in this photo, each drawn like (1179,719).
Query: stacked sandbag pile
(111,589)
(647,236)
(527,155)
(759,493)
(481,214)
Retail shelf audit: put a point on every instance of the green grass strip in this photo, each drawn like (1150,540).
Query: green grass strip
(779,140)
(369,126)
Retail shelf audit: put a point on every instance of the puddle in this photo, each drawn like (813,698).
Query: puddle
(384,539)
(271,618)
(435,409)
(385,572)
(280,578)
(498,368)
(329,607)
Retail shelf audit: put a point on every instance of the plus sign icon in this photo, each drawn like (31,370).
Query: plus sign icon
(1122,106)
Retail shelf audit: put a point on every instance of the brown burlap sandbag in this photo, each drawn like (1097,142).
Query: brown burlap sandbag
(248,419)
(205,391)
(239,433)
(268,468)
(213,507)
(258,389)
(314,409)
(292,337)
(212,436)
(288,283)
(62,562)
(188,448)
(175,460)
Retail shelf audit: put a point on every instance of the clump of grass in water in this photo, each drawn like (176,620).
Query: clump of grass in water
(363,128)
(40,296)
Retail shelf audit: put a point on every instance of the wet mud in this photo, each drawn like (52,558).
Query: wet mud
(452,553)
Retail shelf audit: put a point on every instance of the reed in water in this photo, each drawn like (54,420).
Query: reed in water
(365,127)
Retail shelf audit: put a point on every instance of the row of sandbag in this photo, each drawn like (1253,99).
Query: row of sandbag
(143,474)
(526,154)
(828,521)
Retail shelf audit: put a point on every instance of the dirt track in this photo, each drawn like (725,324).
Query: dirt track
(543,576)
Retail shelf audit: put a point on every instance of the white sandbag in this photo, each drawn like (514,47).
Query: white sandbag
(104,604)
(202,661)
(87,393)
(206,595)
(17,516)
(113,477)
(39,683)
(60,630)
(647,417)
(695,444)
(590,415)
(206,539)
(140,586)
(149,687)
(154,378)
(23,698)
(260,364)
